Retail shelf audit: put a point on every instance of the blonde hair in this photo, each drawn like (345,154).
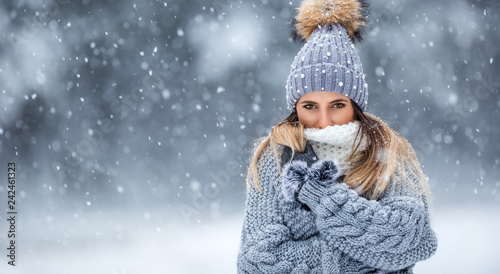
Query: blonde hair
(388,155)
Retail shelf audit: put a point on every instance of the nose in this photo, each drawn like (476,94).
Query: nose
(324,120)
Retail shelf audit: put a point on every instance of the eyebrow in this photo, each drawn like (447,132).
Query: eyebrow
(334,101)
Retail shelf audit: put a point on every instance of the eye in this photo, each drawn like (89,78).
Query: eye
(338,105)
(309,106)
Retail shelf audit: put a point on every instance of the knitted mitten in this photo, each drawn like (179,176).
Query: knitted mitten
(296,173)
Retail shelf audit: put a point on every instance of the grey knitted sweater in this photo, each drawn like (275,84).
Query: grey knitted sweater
(329,228)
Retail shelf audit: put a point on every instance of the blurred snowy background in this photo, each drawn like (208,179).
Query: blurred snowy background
(131,122)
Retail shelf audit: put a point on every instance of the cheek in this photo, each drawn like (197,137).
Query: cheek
(348,115)
(304,117)
(343,116)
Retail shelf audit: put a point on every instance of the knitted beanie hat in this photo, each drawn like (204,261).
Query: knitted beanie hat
(328,61)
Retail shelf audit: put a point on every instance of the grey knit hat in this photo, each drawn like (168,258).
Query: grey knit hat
(328,60)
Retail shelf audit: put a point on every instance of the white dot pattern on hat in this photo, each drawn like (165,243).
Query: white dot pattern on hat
(327,62)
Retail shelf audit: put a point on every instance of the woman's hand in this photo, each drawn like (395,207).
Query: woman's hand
(296,173)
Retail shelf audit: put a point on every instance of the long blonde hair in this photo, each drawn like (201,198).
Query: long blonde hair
(388,154)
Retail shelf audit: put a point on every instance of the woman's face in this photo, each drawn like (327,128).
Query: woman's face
(322,109)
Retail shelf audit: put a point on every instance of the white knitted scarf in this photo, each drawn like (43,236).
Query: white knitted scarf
(336,143)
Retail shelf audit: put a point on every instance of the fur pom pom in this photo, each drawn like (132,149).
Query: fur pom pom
(325,172)
(293,177)
(351,14)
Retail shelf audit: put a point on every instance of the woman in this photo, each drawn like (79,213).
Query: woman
(333,189)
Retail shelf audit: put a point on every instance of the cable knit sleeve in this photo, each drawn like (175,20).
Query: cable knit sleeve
(392,233)
(268,244)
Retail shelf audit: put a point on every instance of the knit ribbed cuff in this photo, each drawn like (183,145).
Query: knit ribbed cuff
(311,193)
